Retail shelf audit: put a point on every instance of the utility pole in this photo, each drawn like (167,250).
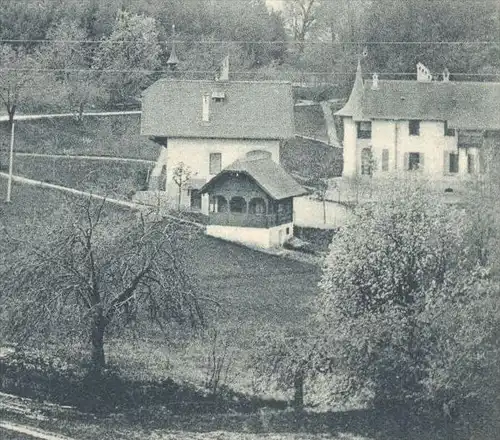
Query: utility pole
(11,161)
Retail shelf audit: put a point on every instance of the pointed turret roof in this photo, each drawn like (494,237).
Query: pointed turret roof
(353,106)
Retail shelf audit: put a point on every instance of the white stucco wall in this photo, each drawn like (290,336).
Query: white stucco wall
(195,153)
(350,166)
(394,136)
(308,212)
(261,237)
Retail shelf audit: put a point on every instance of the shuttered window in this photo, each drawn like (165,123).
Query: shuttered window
(453,163)
(385,159)
(215,165)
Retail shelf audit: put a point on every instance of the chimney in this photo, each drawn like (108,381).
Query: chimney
(423,73)
(223,73)
(375,81)
(206,108)
(172,59)
(446,75)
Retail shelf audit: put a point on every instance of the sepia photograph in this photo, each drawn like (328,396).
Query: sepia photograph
(250,219)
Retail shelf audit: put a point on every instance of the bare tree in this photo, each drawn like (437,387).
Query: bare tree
(181,175)
(97,272)
(15,76)
(301,15)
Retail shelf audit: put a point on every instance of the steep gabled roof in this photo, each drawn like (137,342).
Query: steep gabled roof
(465,105)
(247,110)
(269,175)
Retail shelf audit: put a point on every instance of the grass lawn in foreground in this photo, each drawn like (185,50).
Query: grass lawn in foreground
(257,292)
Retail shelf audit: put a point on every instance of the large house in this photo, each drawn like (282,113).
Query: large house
(251,201)
(437,128)
(207,125)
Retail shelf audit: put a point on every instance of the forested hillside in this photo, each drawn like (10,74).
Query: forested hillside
(70,54)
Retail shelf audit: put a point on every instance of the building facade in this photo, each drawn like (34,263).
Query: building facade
(439,129)
(207,125)
(251,202)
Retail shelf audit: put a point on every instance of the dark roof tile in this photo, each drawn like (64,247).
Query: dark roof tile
(269,175)
(249,110)
(465,105)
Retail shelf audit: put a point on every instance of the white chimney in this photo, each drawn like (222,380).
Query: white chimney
(446,75)
(206,108)
(375,81)
(223,73)
(423,73)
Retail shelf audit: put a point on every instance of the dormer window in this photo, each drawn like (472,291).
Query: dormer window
(364,130)
(448,131)
(218,96)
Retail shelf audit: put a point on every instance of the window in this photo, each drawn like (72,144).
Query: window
(414,128)
(238,204)
(257,206)
(453,163)
(448,131)
(287,231)
(366,161)
(215,165)
(364,130)
(471,164)
(385,159)
(414,161)
(195,197)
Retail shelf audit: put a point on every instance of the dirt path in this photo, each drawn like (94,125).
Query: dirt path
(330,124)
(85,157)
(19,117)
(32,433)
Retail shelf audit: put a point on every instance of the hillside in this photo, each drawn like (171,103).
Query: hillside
(108,136)
(309,159)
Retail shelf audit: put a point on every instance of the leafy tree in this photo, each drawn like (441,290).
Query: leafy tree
(68,56)
(128,55)
(95,273)
(400,281)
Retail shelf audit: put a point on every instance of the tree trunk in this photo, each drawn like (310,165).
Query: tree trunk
(298,396)
(98,358)
(80,112)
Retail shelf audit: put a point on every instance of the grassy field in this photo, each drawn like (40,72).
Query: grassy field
(257,292)
(108,136)
(309,121)
(109,178)
(309,159)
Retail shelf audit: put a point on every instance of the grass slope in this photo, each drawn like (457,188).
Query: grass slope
(109,136)
(256,291)
(310,159)
(109,178)
(310,121)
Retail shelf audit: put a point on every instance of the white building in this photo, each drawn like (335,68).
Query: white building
(207,125)
(434,128)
